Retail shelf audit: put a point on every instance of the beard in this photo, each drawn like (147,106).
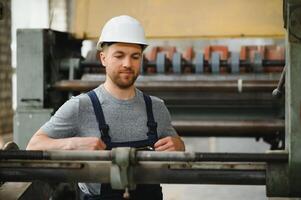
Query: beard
(124,81)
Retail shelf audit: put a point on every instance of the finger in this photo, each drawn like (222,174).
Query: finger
(161,148)
(102,145)
(161,142)
(164,147)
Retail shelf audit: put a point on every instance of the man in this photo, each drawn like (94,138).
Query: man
(115,113)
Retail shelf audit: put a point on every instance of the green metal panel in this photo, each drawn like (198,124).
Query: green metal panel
(293,121)
(293,96)
(27,122)
(285,180)
(30,67)
(277,182)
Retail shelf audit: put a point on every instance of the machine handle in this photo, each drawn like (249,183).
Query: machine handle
(28,100)
(279,90)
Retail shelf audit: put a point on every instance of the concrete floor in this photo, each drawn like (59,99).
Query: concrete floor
(213,192)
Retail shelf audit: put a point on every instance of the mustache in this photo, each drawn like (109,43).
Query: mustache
(126,71)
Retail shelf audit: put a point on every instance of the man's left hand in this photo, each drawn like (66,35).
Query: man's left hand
(170,143)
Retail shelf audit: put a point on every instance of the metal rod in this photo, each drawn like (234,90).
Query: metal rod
(205,157)
(224,63)
(63,171)
(221,86)
(145,172)
(146,156)
(246,128)
(279,90)
(193,176)
(80,155)
(56,155)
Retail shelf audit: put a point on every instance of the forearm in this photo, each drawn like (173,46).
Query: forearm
(40,141)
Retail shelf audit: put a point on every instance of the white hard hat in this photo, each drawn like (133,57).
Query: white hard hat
(124,29)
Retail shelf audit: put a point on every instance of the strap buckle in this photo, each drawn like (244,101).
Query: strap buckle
(146,148)
(152,125)
(104,132)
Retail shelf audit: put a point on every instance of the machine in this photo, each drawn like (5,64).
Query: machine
(210,93)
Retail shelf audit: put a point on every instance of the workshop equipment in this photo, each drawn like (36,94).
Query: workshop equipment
(125,167)
(215,93)
(233,93)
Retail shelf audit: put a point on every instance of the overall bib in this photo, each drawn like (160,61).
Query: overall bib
(143,191)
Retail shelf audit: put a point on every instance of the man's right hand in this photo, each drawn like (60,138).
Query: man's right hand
(86,143)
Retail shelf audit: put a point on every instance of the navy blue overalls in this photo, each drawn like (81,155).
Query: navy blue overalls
(143,191)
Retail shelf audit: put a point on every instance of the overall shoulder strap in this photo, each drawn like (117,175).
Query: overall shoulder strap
(151,124)
(103,127)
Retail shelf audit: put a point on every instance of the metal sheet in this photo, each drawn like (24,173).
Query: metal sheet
(13,191)
(27,122)
(293,101)
(30,67)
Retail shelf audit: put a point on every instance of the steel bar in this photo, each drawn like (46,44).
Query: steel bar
(193,176)
(194,83)
(246,128)
(192,77)
(147,156)
(62,171)
(196,86)
(220,165)
(145,172)
(56,155)
(224,63)
(205,157)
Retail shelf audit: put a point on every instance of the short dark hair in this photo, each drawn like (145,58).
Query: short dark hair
(107,44)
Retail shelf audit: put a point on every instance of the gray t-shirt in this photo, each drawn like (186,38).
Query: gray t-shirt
(126,118)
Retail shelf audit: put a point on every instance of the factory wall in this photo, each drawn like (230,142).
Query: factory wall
(184,19)
(6,112)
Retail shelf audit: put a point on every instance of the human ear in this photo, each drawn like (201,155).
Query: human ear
(102,57)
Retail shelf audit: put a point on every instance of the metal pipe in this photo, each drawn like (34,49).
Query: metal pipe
(224,63)
(187,82)
(146,156)
(145,172)
(194,176)
(245,128)
(56,155)
(80,155)
(62,171)
(196,86)
(207,157)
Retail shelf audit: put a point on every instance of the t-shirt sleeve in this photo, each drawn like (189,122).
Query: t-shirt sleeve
(64,122)
(163,119)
